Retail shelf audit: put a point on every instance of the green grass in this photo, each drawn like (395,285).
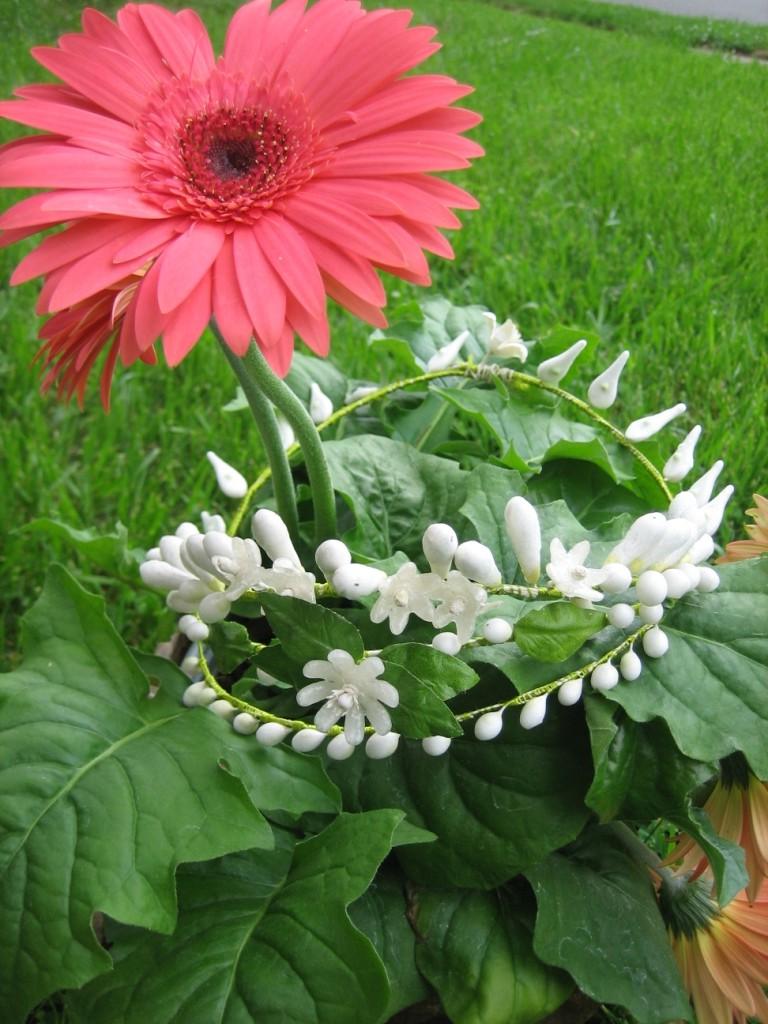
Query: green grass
(623,191)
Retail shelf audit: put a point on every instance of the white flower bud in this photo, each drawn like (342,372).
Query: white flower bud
(570,692)
(439,544)
(363,391)
(285,430)
(435,745)
(192,628)
(708,579)
(190,664)
(702,489)
(331,555)
(271,733)
(534,712)
(714,510)
(553,370)
(153,555)
(650,614)
(214,608)
(655,643)
(448,354)
(647,426)
(170,550)
(489,725)
(446,643)
(497,631)
(630,666)
(306,740)
(683,505)
(524,532)
(245,723)
(271,534)
(320,405)
(678,582)
(354,581)
(475,561)
(339,749)
(677,538)
(604,388)
(692,572)
(213,523)
(651,587)
(231,483)
(161,576)
(193,694)
(617,580)
(184,530)
(680,463)
(506,341)
(217,545)
(621,616)
(378,747)
(222,708)
(699,551)
(642,535)
(604,677)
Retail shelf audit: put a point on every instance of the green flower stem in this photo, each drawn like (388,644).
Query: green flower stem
(510,589)
(578,673)
(306,434)
(266,423)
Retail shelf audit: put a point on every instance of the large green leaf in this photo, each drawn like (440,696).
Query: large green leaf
(260,939)
(640,774)
(420,712)
(381,914)
(557,631)
(103,791)
(308,631)
(109,551)
(394,491)
(710,688)
(598,920)
(416,332)
(495,807)
(442,674)
(591,495)
(476,950)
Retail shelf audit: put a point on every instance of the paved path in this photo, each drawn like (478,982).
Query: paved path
(755,11)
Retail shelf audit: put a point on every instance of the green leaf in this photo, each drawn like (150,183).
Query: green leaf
(476,950)
(496,808)
(306,370)
(394,491)
(598,920)
(557,631)
(308,631)
(561,337)
(260,938)
(640,774)
(444,675)
(591,495)
(710,687)
(420,712)
(230,643)
(104,790)
(109,551)
(380,913)
(416,335)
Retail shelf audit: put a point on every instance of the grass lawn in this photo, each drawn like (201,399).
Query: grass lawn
(623,191)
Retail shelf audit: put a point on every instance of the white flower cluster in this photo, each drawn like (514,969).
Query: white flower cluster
(204,573)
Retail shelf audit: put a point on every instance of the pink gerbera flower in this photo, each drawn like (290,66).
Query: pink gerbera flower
(246,189)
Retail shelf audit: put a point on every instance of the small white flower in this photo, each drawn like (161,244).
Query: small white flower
(271,534)
(553,370)
(331,555)
(534,712)
(435,746)
(439,544)
(714,510)
(476,561)
(354,581)
(604,388)
(351,691)
(569,574)
(639,539)
(505,341)
(647,426)
(231,483)
(702,489)
(407,593)
(460,602)
(320,405)
(680,463)
(570,692)
(489,725)
(448,355)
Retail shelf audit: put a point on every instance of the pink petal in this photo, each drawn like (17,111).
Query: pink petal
(186,261)
(245,38)
(313,331)
(445,192)
(64,119)
(147,319)
(140,42)
(344,225)
(262,290)
(228,305)
(145,238)
(182,41)
(288,253)
(54,207)
(47,164)
(403,153)
(279,356)
(187,323)
(351,301)
(64,248)
(91,273)
(450,119)
(282,25)
(354,273)
(323,29)
(120,86)
(428,238)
